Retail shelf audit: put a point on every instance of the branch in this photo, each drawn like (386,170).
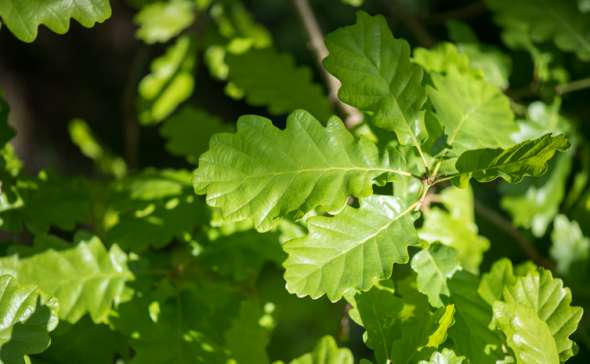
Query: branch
(573,86)
(466,12)
(397,11)
(131,126)
(317,45)
(525,244)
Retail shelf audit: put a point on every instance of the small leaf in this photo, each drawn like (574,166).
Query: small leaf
(551,301)
(23,18)
(446,356)
(534,203)
(26,321)
(569,243)
(527,335)
(169,83)
(262,172)
(84,279)
(161,21)
(188,131)
(456,227)
(433,267)
(326,352)
(350,251)
(474,114)
(492,284)
(470,334)
(529,158)
(378,77)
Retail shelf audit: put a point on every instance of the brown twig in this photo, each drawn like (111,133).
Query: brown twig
(573,86)
(466,12)
(397,12)
(525,244)
(316,43)
(131,126)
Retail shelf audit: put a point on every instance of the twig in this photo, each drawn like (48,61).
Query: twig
(131,127)
(525,244)
(573,86)
(316,43)
(397,11)
(466,12)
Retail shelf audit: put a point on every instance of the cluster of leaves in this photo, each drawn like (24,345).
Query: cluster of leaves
(380,216)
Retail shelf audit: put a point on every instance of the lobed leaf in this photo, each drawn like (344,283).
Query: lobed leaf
(378,76)
(350,251)
(326,352)
(433,266)
(26,322)
(446,356)
(262,172)
(84,279)
(474,114)
(23,18)
(529,158)
(272,79)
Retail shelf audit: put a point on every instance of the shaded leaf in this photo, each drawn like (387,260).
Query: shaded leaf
(273,80)
(472,316)
(433,266)
(247,339)
(188,131)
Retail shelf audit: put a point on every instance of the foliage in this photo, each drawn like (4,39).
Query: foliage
(270,234)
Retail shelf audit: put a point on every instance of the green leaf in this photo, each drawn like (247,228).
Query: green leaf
(527,335)
(27,320)
(378,77)
(161,21)
(179,325)
(474,114)
(326,352)
(433,266)
(492,284)
(273,80)
(350,251)
(442,58)
(84,279)
(551,301)
(24,17)
(379,311)
(262,172)
(470,333)
(529,158)
(78,343)
(534,203)
(188,131)
(446,356)
(169,83)
(456,227)
(569,243)
(49,201)
(546,20)
(242,255)
(247,339)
